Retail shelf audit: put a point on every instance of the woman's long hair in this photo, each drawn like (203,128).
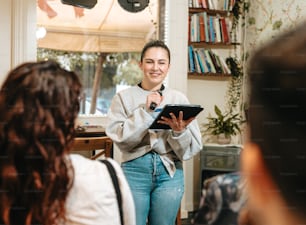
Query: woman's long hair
(39,102)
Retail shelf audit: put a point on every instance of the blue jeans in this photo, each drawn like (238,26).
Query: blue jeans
(157,196)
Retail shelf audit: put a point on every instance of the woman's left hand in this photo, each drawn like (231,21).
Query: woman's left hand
(176,123)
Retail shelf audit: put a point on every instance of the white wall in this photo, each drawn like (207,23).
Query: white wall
(17,39)
(5,38)
(207,93)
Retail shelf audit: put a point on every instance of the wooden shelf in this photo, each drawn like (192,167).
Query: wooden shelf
(203,44)
(227,45)
(208,76)
(211,12)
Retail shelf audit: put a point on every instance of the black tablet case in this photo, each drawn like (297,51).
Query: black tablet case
(189,110)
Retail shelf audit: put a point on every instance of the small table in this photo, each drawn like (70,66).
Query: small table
(103,143)
(217,159)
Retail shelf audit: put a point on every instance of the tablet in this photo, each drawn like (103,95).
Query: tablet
(189,110)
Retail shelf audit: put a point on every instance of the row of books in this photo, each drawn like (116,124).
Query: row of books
(202,60)
(208,28)
(224,5)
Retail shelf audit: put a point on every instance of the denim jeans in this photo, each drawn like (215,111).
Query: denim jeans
(157,196)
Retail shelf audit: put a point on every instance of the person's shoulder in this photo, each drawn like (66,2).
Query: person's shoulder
(78,158)
(114,163)
(125,93)
(177,94)
(128,89)
(81,164)
(176,91)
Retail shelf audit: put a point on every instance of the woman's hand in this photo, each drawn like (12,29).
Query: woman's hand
(176,123)
(156,98)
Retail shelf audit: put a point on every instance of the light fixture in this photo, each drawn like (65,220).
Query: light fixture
(133,5)
(88,4)
(40,32)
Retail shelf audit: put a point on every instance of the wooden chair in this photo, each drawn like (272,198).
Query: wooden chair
(103,143)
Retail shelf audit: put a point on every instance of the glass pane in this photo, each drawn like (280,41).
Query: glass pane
(102,44)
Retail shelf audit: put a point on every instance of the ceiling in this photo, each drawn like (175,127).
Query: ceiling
(105,28)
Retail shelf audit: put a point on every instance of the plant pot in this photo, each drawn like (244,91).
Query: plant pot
(222,139)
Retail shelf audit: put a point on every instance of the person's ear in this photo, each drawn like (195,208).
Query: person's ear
(260,185)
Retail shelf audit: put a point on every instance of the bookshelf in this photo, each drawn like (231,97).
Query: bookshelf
(210,38)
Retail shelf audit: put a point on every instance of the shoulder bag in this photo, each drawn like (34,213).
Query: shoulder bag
(114,177)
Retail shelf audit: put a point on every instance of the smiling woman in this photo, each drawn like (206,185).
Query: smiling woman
(102,44)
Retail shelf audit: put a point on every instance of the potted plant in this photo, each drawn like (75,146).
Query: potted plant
(223,125)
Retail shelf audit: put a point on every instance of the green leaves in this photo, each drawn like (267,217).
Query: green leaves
(224,123)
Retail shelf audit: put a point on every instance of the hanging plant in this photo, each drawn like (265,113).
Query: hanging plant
(234,66)
(234,93)
(235,85)
(238,10)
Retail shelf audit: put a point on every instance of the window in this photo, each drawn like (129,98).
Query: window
(101,44)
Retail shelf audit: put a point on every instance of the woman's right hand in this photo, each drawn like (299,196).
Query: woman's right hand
(155,98)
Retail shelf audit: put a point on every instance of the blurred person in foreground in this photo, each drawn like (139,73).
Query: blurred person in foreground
(274,161)
(40,182)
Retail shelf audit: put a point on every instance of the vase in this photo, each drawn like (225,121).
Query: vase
(223,139)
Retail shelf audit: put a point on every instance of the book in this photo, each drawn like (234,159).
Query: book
(211,5)
(201,63)
(218,4)
(209,61)
(226,5)
(224,31)
(189,110)
(194,28)
(224,65)
(204,4)
(214,61)
(202,27)
(191,57)
(196,4)
(204,14)
(217,30)
(200,4)
(219,63)
(212,33)
(196,62)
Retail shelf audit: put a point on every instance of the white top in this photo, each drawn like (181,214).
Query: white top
(92,199)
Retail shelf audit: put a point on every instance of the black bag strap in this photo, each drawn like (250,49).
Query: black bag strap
(114,177)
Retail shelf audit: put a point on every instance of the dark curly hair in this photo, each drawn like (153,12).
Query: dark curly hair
(39,102)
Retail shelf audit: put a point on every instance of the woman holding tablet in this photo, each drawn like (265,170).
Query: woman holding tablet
(152,159)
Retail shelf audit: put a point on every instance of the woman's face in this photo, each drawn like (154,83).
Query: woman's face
(155,66)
